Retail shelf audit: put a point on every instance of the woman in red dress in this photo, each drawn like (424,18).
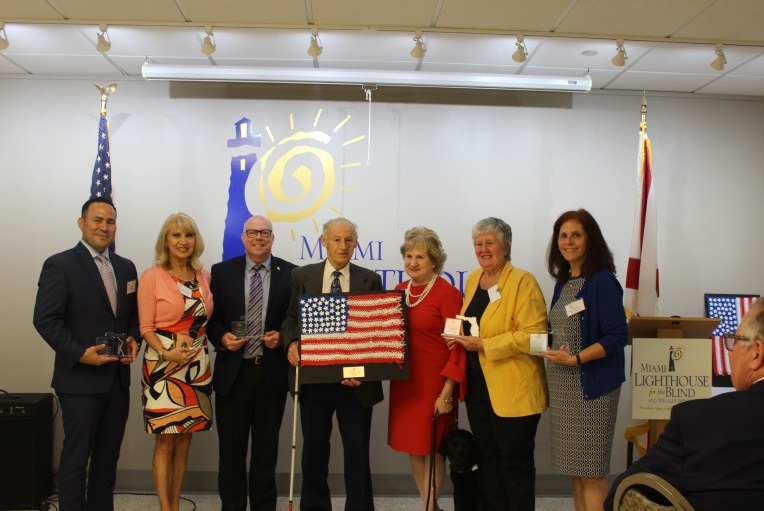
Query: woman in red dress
(436,375)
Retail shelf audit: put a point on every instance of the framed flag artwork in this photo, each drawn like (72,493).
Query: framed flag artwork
(730,309)
(353,335)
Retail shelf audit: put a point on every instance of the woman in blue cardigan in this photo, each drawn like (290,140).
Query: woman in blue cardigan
(585,366)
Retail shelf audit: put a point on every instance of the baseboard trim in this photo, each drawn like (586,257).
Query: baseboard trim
(142,481)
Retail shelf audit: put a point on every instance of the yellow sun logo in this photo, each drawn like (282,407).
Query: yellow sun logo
(299,173)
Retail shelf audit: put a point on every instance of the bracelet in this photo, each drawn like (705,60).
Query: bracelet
(446,399)
(578,359)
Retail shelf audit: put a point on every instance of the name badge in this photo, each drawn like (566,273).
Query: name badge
(131,285)
(353,372)
(494,293)
(575,307)
(185,291)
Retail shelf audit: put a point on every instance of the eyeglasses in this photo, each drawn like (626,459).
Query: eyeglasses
(730,340)
(253,233)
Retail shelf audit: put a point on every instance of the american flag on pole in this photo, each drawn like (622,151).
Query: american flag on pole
(730,309)
(352,329)
(641,294)
(100,184)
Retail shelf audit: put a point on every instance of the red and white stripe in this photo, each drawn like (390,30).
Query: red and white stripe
(374,335)
(720,354)
(642,290)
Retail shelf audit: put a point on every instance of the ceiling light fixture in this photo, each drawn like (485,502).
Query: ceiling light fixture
(620,57)
(3,37)
(315,48)
(208,45)
(419,50)
(365,76)
(720,60)
(521,52)
(104,41)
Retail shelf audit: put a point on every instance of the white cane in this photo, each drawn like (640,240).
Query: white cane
(294,431)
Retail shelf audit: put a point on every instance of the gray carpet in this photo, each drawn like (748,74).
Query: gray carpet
(207,502)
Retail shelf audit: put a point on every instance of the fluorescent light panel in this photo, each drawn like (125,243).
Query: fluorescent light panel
(361,77)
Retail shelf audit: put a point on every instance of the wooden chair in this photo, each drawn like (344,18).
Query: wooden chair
(628,496)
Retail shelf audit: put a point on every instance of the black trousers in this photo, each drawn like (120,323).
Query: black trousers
(252,415)
(94,425)
(507,447)
(318,403)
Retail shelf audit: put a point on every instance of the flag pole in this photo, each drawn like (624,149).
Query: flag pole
(643,111)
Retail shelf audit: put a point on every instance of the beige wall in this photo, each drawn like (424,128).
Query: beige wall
(523,157)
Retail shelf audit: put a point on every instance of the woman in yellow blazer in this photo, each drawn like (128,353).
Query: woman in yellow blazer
(506,386)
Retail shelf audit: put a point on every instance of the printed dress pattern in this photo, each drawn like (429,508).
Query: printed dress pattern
(177,397)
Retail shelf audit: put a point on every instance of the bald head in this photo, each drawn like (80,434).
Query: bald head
(258,238)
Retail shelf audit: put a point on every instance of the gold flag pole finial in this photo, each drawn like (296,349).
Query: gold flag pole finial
(105,92)
(643,111)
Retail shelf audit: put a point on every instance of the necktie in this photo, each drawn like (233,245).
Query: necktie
(108,282)
(255,313)
(336,288)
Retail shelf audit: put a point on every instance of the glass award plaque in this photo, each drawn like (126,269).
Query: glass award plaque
(239,329)
(116,345)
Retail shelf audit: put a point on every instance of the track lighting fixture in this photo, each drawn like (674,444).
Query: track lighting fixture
(620,57)
(104,41)
(522,52)
(419,50)
(315,48)
(3,37)
(720,60)
(208,45)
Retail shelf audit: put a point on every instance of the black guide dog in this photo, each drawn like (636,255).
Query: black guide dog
(461,449)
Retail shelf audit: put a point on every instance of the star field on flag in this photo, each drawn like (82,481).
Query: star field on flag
(100,185)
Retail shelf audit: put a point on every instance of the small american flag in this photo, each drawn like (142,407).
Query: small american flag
(730,309)
(100,185)
(352,329)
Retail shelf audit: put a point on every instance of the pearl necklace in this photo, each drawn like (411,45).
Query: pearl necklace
(421,296)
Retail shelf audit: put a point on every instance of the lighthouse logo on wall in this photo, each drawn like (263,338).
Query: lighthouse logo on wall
(299,173)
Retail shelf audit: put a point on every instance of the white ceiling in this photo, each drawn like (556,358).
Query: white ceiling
(670,43)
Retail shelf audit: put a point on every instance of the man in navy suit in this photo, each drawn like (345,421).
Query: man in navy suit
(82,294)
(250,377)
(712,449)
(352,400)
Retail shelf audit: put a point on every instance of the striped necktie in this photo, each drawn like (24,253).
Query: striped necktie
(108,282)
(254,346)
(336,288)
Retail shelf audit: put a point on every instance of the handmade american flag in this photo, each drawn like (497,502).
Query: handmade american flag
(100,184)
(352,329)
(730,309)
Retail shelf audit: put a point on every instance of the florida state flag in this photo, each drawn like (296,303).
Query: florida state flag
(641,295)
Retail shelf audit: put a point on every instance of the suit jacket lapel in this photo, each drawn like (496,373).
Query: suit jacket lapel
(358,280)
(237,286)
(315,282)
(275,276)
(91,269)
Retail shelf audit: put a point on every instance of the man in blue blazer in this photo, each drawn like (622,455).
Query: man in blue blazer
(250,384)
(711,449)
(82,294)
(352,400)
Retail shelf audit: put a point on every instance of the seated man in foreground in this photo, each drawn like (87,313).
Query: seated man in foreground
(712,450)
